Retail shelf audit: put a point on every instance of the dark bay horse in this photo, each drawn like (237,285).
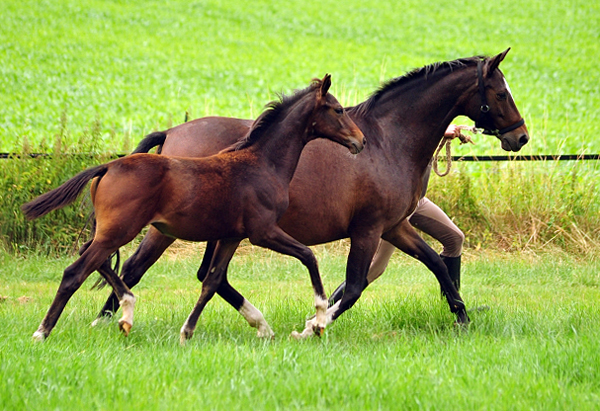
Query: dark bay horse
(239,193)
(334,196)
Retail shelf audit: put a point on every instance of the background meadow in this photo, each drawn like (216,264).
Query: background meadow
(96,76)
(134,68)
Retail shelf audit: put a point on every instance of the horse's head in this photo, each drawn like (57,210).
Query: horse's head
(330,120)
(493,107)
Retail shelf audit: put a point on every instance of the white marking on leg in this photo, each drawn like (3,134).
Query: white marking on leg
(310,324)
(127,305)
(185,333)
(256,320)
(321,306)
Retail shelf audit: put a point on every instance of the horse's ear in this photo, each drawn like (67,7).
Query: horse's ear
(325,84)
(494,62)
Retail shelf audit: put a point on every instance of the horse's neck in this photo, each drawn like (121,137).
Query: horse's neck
(418,112)
(282,147)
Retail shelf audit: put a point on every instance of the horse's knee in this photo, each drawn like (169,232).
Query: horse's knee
(201,274)
(85,247)
(71,281)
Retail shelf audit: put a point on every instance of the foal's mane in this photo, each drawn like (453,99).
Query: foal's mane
(366,106)
(274,110)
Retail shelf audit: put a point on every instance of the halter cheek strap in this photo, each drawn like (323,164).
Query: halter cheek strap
(484,121)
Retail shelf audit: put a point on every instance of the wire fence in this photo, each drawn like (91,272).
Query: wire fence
(532,157)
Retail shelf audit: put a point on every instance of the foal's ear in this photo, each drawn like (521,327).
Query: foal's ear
(325,84)
(494,62)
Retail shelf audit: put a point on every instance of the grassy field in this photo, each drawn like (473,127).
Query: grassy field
(536,348)
(129,68)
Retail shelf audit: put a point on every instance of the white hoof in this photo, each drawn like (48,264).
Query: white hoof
(265,332)
(308,332)
(100,320)
(38,336)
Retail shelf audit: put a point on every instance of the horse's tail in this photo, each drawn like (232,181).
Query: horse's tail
(150,141)
(63,195)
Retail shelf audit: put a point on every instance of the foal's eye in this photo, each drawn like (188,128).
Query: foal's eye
(339,110)
(501,96)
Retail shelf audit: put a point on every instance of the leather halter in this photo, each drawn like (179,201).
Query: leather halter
(484,121)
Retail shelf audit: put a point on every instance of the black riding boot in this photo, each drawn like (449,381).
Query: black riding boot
(453,266)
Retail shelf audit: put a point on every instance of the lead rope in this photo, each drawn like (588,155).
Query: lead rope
(447,141)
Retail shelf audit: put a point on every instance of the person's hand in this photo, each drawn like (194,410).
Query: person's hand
(455,131)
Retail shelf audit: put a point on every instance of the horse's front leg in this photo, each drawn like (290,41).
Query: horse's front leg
(362,248)
(274,238)
(404,237)
(216,273)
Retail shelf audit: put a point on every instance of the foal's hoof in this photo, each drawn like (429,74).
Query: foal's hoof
(266,333)
(318,330)
(38,336)
(125,327)
(185,335)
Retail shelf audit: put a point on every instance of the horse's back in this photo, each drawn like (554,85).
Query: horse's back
(204,136)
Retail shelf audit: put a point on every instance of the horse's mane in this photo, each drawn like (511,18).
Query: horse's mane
(430,69)
(273,111)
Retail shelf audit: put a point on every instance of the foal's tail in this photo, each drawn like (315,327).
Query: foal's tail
(63,195)
(150,141)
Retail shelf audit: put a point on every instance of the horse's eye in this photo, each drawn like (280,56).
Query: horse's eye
(501,96)
(339,110)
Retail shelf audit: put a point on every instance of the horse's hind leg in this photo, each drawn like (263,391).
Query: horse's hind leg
(151,248)
(73,278)
(218,268)
(226,291)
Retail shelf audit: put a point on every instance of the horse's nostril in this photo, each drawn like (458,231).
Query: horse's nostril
(523,139)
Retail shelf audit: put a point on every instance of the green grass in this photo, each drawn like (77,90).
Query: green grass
(535,348)
(134,68)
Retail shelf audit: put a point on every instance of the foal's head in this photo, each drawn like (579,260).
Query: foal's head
(330,120)
(326,118)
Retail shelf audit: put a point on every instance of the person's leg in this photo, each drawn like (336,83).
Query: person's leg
(432,220)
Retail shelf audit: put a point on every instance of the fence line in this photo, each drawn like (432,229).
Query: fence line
(532,157)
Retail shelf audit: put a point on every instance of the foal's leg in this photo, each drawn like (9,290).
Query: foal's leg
(278,240)
(73,277)
(218,267)
(254,317)
(406,239)
(151,248)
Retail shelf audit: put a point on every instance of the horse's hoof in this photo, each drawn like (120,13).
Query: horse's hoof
(100,320)
(125,327)
(266,334)
(38,336)
(185,335)
(318,330)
